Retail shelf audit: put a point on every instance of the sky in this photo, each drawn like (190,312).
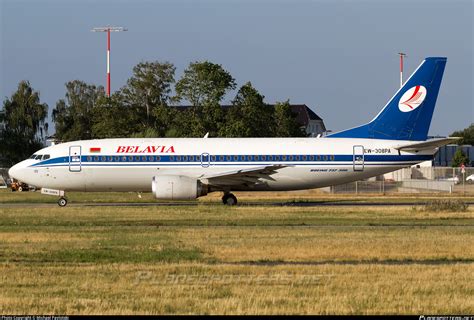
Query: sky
(338,57)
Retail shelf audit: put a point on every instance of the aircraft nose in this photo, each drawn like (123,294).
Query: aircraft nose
(13,172)
(17,172)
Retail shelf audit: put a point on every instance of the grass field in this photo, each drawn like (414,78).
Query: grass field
(211,259)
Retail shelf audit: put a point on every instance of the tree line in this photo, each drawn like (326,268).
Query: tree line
(147,106)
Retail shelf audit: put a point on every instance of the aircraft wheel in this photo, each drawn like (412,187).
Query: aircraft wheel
(229,199)
(20,189)
(62,202)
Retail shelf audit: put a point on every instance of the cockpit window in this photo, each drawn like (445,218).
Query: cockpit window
(33,156)
(46,157)
(38,157)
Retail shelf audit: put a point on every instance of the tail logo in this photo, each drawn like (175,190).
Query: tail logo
(412,99)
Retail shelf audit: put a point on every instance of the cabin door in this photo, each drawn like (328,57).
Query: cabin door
(75,158)
(358,158)
(205,160)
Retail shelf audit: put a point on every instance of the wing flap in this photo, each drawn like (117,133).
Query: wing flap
(248,176)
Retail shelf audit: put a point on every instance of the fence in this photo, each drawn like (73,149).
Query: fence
(3,177)
(4,173)
(416,179)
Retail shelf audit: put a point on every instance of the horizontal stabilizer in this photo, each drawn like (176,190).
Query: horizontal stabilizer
(429,144)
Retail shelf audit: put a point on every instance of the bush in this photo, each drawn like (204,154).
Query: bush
(446,205)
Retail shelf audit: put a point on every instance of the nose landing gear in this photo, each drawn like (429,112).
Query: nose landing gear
(62,202)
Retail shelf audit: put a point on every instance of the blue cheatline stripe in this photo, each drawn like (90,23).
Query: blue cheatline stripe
(366,164)
(190,160)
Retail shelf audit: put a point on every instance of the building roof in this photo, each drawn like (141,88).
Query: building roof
(304,113)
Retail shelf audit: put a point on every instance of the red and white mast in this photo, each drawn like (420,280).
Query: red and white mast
(108,30)
(402,55)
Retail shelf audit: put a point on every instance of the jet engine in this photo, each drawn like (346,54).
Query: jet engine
(174,187)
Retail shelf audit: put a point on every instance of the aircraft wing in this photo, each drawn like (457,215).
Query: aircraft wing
(248,176)
(426,145)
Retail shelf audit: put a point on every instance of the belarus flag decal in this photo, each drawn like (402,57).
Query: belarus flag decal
(94,149)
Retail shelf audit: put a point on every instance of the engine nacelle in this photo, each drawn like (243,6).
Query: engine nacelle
(174,187)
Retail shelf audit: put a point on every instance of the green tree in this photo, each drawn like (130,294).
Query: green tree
(112,119)
(22,123)
(249,116)
(285,121)
(147,133)
(204,85)
(149,88)
(73,115)
(460,158)
(466,134)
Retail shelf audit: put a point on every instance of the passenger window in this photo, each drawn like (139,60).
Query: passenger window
(325,158)
(96,159)
(124,159)
(305,158)
(332,158)
(89,159)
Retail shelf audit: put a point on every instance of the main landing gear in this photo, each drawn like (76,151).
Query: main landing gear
(62,202)
(229,199)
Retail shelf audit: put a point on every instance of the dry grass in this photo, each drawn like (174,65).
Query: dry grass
(245,260)
(326,289)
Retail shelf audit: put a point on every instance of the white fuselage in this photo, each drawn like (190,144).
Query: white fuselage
(131,164)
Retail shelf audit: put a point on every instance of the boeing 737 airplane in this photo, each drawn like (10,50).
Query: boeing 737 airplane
(188,168)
